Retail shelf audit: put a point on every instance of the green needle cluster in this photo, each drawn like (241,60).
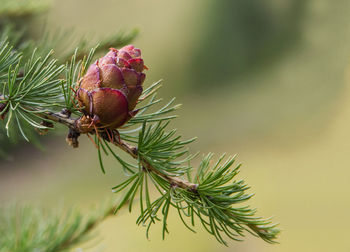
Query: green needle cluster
(160,174)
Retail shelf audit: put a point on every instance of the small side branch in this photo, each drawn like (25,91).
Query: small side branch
(62,118)
(173,181)
(212,200)
(75,131)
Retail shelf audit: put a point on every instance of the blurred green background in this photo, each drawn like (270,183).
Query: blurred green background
(265,79)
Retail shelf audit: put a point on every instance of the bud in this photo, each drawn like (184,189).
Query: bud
(111,87)
(44,131)
(2,112)
(72,138)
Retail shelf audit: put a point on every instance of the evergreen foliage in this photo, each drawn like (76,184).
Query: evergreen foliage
(25,228)
(16,18)
(37,92)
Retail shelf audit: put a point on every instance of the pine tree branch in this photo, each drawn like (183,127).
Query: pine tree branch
(28,228)
(174,182)
(36,96)
(89,226)
(64,118)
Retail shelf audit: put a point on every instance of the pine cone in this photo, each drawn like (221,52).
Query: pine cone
(112,86)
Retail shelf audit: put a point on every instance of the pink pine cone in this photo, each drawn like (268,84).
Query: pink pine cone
(112,85)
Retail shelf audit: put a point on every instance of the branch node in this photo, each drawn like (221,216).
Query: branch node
(194,188)
(46,124)
(134,150)
(2,112)
(66,112)
(72,138)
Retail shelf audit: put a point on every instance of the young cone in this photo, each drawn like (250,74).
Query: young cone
(110,89)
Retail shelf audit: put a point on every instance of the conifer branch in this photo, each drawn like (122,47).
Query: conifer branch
(65,120)
(40,97)
(240,216)
(25,228)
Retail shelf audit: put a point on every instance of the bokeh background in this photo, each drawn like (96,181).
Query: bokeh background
(268,80)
